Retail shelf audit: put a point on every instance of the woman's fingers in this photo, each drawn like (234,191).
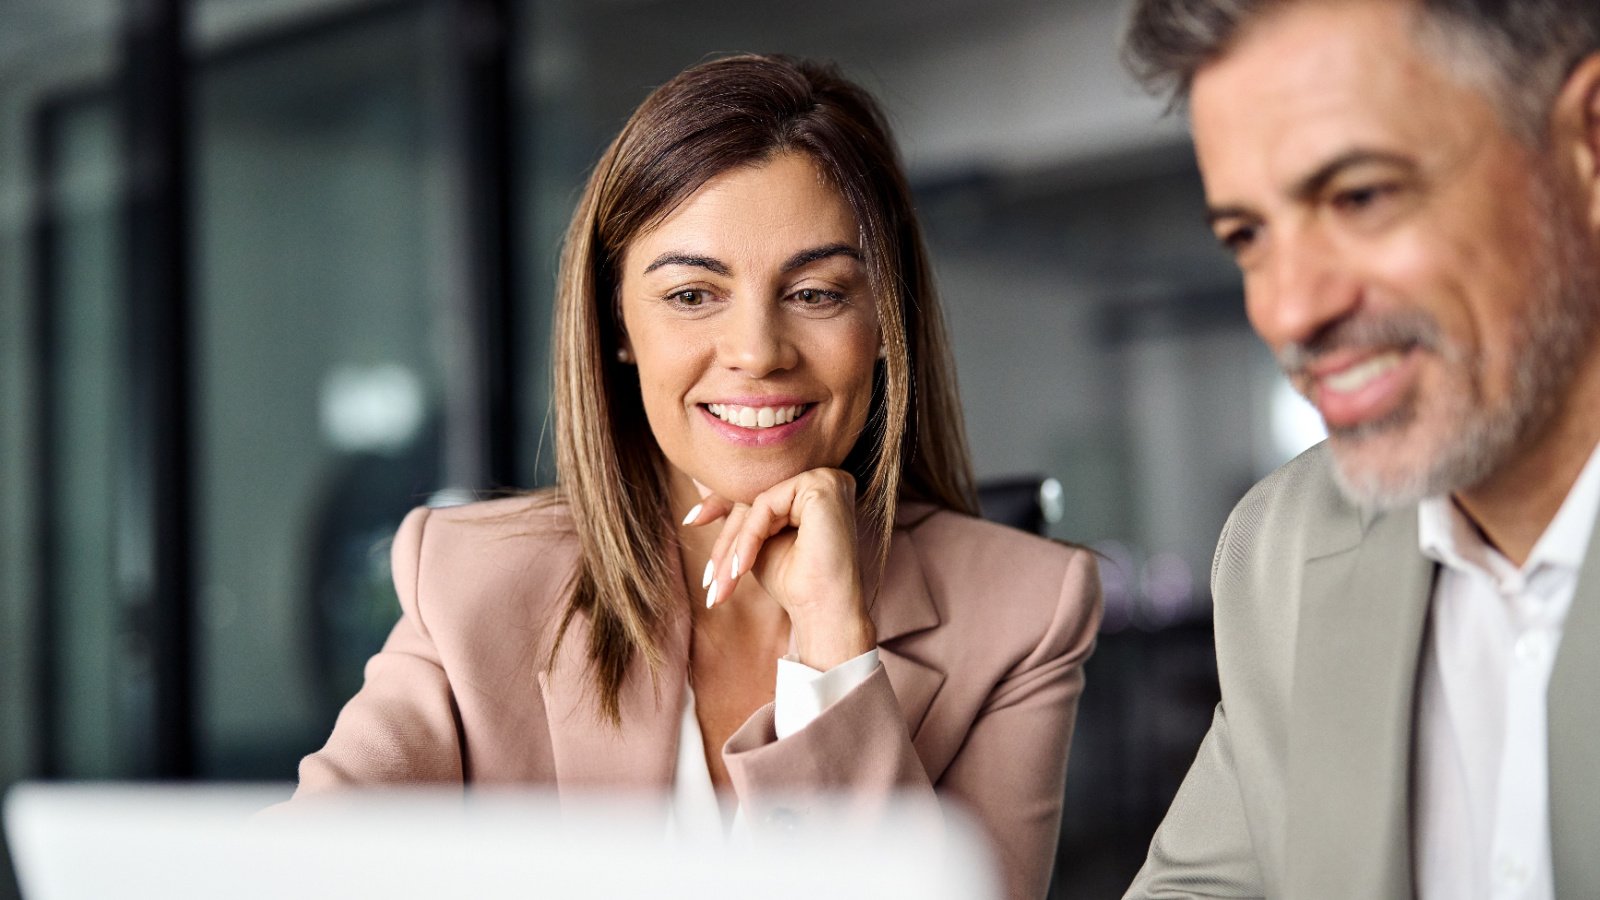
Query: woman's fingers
(721,567)
(710,508)
(765,517)
(816,512)
(770,513)
(817,507)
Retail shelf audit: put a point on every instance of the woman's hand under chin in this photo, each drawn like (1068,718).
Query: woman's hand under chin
(798,540)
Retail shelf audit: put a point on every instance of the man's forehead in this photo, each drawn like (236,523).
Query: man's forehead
(1314,81)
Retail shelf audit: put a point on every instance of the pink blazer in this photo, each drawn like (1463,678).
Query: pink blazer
(983,631)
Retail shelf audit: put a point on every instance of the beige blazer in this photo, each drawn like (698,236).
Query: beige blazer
(983,632)
(1302,788)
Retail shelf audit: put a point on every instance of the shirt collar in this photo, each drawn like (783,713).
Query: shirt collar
(1445,535)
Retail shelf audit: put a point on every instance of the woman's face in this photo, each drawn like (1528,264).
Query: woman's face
(748,314)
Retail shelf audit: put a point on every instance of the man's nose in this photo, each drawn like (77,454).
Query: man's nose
(756,341)
(1303,287)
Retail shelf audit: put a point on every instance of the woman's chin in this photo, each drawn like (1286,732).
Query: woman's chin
(743,487)
(739,490)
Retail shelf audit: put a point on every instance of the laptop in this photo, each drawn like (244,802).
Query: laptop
(98,840)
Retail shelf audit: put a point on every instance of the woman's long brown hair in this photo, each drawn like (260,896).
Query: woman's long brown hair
(718,115)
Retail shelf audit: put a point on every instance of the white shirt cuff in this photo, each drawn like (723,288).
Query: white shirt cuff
(803,692)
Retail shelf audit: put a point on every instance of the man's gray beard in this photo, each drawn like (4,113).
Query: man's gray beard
(1549,342)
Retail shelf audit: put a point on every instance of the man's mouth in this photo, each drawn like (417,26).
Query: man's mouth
(757,417)
(1358,376)
(1352,392)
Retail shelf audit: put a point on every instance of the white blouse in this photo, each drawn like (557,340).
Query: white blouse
(802,694)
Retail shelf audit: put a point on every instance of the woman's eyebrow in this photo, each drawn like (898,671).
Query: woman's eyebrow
(806,257)
(673,258)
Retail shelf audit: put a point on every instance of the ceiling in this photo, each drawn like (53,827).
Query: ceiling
(971,85)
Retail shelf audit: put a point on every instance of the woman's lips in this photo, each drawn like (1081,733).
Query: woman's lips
(1365,389)
(768,424)
(757,416)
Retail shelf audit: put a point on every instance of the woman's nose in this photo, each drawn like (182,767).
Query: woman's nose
(756,341)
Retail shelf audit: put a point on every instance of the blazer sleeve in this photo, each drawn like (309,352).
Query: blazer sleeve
(401,726)
(1203,848)
(1010,772)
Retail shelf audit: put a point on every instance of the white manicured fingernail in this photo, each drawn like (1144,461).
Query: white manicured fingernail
(693,513)
(711,597)
(735,572)
(705,580)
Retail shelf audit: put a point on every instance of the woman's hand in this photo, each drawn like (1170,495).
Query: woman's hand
(798,540)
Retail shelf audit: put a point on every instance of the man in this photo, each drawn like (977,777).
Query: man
(1407,616)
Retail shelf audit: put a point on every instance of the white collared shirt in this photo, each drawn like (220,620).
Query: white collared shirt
(801,695)
(1482,794)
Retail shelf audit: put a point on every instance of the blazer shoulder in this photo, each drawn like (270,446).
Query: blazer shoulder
(508,557)
(1298,509)
(988,575)
(936,531)
(1293,516)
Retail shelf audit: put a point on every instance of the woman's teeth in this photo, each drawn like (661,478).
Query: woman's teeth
(755,416)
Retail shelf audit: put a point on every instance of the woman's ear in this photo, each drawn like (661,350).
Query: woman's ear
(624,346)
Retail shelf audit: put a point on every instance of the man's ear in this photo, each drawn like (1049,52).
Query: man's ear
(1575,121)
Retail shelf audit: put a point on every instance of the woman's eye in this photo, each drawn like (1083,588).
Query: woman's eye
(815,297)
(687,299)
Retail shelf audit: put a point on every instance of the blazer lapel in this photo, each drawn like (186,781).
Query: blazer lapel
(590,752)
(1362,619)
(903,608)
(1574,734)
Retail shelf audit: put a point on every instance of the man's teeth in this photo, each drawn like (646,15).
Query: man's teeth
(1359,376)
(755,416)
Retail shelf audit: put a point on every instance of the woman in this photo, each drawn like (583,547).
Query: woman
(747,335)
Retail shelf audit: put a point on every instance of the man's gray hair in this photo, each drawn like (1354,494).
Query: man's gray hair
(1521,51)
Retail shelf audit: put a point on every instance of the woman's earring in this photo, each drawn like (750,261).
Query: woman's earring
(883,351)
(624,356)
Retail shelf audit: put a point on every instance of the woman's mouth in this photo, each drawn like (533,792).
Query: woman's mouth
(757,417)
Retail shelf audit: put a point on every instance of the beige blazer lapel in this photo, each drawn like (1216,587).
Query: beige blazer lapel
(903,608)
(590,753)
(1362,619)
(1574,727)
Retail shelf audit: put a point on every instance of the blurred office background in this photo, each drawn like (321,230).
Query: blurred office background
(274,271)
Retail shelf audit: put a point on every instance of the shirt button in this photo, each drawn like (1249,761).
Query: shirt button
(1529,648)
(1513,871)
(783,819)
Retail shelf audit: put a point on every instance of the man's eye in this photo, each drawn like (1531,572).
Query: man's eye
(1238,240)
(1361,198)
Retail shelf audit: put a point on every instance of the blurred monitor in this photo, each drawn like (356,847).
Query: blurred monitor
(82,841)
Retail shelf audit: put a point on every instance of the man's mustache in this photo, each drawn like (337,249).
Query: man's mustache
(1387,331)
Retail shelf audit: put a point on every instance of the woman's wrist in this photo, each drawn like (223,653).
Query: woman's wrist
(826,641)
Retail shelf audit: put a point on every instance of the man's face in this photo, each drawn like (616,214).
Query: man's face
(1408,260)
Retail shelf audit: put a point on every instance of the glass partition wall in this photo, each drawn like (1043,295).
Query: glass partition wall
(320,312)
(59,261)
